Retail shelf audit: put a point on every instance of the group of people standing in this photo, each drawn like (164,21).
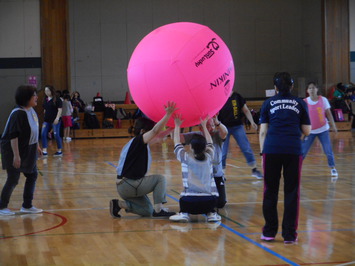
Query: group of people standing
(288,127)
(58,109)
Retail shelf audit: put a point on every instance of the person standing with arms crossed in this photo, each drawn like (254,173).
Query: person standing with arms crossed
(230,115)
(284,118)
(319,112)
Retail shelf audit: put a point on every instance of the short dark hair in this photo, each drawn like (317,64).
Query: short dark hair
(24,94)
(283,81)
(141,123)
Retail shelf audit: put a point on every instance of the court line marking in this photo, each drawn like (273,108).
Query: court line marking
(243,236)
(349,263)
(234,166)
(63,222)
(258,245)
(250,240)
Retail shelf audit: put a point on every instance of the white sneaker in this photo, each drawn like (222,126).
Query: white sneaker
(180,217)
(68,138)
(334,172)
(6,212)
(213,217)
(31,210)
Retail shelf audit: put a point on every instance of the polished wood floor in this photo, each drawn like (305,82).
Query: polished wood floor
(76,228)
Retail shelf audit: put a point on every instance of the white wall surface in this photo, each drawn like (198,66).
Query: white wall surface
(19,28)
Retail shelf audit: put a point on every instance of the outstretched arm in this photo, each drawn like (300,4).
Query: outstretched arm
(222,130)
(169,109)
(178,122)
(205,130)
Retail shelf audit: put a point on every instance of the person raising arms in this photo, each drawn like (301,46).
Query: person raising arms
(133,184)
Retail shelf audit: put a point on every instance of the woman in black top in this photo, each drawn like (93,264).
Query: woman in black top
(52,113)
(19,149)
(133,183)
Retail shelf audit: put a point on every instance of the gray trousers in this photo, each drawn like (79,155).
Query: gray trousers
(134,192)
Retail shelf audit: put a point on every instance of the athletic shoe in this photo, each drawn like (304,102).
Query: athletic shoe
(6,212)
(68,138)
(213,217)
(58,154)
(334,172)
(256,173)
(31,210)
(114,208)
(180,217)
(163,213)
(267,238)
(45,154)
(290,242)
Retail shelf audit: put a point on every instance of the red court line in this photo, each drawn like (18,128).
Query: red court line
(63,222)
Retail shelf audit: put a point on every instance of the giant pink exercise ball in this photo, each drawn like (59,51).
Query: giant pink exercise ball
(183,62)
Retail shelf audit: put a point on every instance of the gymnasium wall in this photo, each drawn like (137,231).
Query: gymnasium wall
(263,36)
(20,52)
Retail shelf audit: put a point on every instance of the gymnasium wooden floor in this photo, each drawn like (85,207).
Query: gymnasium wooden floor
(76,228)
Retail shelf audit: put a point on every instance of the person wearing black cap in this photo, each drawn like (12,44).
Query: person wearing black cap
(283,118)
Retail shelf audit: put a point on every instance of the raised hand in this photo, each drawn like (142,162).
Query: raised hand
(170,107)
(178,120)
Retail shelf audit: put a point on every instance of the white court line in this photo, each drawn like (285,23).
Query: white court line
(78,173)
(349,263)
(233,165)
(280,201)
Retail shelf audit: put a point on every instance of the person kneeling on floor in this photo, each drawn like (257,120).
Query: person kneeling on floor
(200,192)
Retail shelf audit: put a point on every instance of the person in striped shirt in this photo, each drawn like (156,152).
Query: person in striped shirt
(200,192)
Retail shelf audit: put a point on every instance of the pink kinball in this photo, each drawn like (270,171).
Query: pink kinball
(182,62)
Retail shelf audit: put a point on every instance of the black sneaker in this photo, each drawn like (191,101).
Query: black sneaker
(114,208)
(163,213)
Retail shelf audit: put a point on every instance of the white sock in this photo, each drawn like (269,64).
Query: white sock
(157,207)
(122,204)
